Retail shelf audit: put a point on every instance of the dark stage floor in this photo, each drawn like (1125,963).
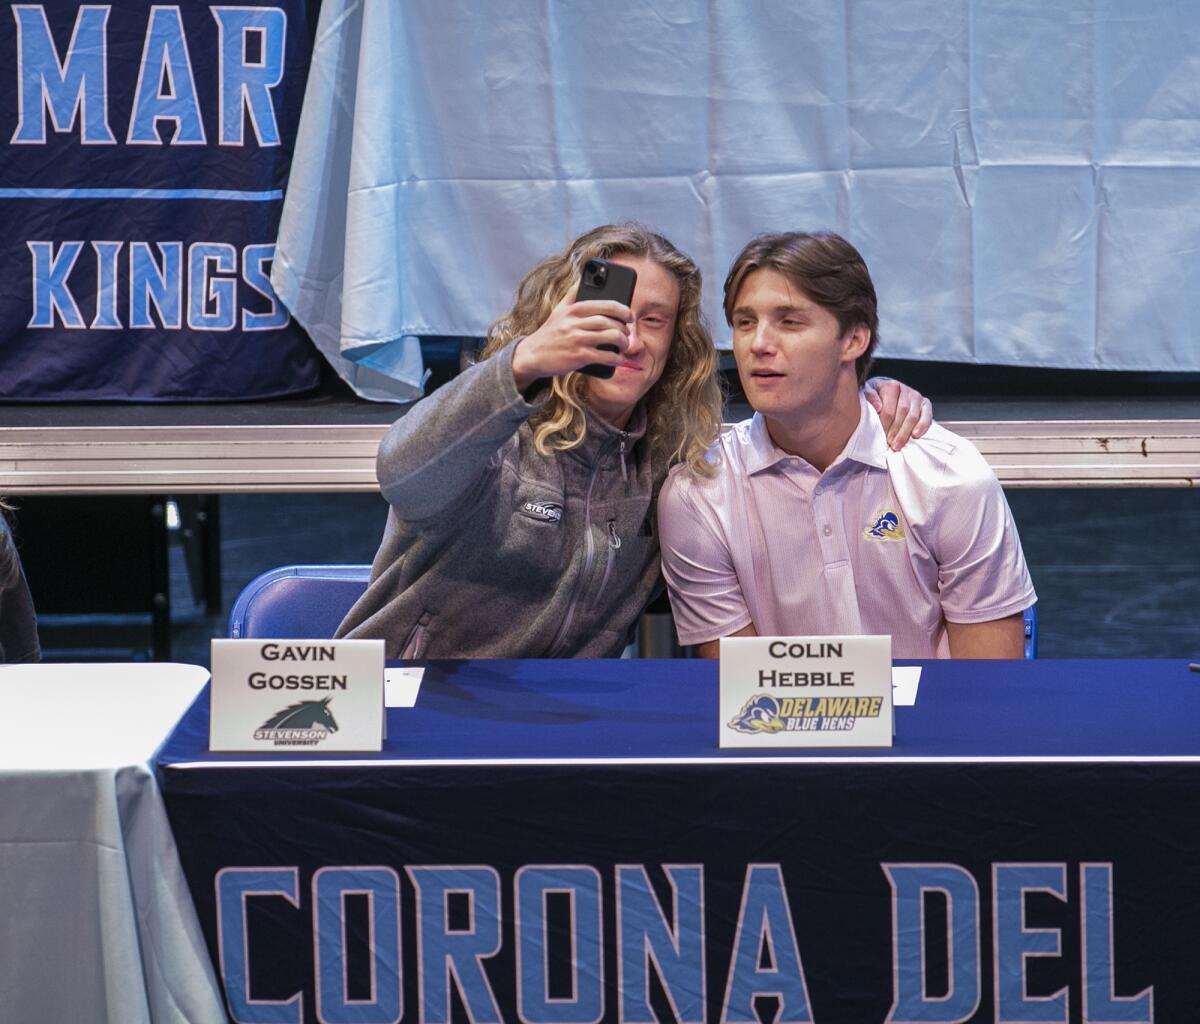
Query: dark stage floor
(1117,571)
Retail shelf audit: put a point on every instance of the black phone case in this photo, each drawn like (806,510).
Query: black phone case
(617,284)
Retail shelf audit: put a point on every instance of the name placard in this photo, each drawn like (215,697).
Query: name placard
(296,696)
(806,691)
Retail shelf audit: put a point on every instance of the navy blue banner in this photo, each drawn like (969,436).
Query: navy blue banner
(721,893)
(514,879)
(146,149)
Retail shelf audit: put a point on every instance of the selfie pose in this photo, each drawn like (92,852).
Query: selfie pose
(522,493)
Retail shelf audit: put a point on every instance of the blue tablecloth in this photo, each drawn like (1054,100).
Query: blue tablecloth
(668,709)
(563,841)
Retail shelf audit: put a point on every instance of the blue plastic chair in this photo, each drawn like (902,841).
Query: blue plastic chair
(297,602)
(308,602)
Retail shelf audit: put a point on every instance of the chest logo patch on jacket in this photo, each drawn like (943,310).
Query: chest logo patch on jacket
(886,527)
(542,511)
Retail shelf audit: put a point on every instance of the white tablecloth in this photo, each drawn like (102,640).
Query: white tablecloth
(96,923)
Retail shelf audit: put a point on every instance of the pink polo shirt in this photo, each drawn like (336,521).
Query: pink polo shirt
(881,542)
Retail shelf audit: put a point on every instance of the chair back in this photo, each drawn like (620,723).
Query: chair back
(297,602)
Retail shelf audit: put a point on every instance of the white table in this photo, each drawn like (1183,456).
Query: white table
(96,923)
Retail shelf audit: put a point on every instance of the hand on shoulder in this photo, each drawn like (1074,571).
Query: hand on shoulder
(904,412)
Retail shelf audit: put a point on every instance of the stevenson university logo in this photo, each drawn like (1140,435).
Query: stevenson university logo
(304,724)
(542,511)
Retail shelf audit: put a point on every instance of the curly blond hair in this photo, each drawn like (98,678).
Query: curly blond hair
(683,408)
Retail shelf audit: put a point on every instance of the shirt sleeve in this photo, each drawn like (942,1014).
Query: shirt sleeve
(432,456)
(706,595)
(982,573)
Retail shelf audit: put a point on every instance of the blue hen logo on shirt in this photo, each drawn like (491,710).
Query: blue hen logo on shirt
(758,714)
(886,527)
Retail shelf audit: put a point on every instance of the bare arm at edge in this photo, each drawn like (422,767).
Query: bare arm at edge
(712,648)
(998,638)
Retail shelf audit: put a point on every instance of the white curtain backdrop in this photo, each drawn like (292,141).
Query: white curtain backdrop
(1023,177)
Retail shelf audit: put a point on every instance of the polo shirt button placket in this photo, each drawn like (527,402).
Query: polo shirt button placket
(821,512)
(839,573)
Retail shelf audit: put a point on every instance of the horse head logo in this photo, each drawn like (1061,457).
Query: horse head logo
(758,714)
(307,714)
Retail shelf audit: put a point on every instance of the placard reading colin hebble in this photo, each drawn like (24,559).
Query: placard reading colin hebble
(806,691)
(296,696)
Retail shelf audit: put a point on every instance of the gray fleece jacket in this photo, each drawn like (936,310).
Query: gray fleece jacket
(494,551)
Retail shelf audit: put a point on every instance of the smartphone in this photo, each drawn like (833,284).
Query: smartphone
(603,279)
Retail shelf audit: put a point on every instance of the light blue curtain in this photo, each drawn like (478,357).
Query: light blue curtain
(1023,177)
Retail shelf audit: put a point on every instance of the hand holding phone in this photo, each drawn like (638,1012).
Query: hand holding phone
(570,335)
(602,279)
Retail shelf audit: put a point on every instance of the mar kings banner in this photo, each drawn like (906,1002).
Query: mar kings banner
(144,150)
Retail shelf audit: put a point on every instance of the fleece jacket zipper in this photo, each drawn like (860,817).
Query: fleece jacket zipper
(589,552)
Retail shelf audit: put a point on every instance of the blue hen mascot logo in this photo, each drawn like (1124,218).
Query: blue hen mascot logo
(759,714)
(886,527)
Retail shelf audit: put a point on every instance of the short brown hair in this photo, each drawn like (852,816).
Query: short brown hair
(827,268)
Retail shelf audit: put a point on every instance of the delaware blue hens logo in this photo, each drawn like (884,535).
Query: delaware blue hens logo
(764,715)
(758,714)
(886,527)
(305,723)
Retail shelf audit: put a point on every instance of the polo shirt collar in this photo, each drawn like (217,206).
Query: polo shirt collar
(763,453)
(868,443)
